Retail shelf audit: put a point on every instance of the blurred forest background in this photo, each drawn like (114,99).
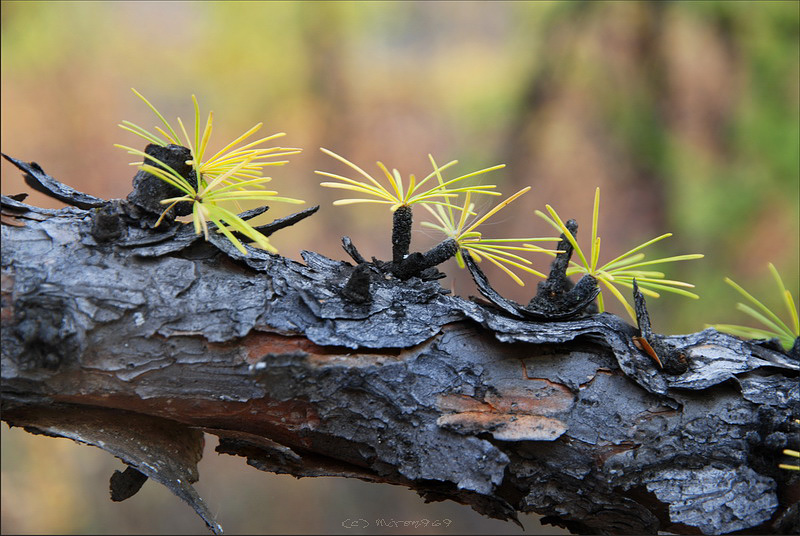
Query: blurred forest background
(686,114)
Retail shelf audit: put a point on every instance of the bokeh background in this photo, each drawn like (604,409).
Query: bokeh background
(686,114)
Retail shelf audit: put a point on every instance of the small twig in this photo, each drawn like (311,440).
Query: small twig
(278,224)
(36,178)
(351,250)
(668,358)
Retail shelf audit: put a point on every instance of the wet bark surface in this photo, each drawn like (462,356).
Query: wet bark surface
(138,345)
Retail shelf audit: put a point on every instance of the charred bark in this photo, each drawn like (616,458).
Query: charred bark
(137,346)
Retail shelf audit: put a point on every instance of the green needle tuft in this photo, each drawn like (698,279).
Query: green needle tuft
(621,271)
(231,174)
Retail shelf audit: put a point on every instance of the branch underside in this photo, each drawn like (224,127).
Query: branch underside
(412,386)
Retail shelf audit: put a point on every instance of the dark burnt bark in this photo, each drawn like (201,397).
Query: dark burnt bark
(402,219)
(138,347)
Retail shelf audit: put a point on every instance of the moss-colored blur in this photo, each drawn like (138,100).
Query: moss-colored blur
(686,114)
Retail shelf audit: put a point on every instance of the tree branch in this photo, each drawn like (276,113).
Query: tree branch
(136,348)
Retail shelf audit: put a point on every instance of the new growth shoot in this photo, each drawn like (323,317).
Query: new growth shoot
(231,174)
(773,326)
(457,221)
(401,194)
(499,251)
(620,271)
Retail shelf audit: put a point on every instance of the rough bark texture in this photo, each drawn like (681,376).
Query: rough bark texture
(137,345)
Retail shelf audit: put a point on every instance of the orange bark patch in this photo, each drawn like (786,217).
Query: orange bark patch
(604,452)
(515,414)
(284,421)
(259,346)
(503,426)
(540,397)
(7,219)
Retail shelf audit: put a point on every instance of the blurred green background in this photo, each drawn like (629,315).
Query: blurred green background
(686,114)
